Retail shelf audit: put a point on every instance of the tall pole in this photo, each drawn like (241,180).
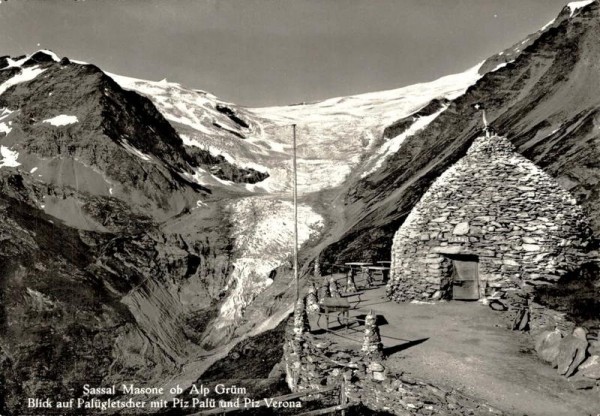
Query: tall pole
(296,278)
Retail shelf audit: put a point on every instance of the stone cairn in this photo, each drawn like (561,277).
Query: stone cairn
(301,324)
(334,289)
(324,292)
(317,272)
(350,284)
(312,302)
(319,363)
(372,347)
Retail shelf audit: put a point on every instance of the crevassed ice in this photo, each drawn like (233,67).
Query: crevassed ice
(263,233)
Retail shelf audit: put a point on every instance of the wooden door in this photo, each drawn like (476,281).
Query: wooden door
(465,278)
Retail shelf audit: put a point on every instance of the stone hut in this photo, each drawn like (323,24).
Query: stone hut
(493,222)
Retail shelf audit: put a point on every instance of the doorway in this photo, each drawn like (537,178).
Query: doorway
(465,277)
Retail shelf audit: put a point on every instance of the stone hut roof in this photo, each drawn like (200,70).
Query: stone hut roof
(498,206)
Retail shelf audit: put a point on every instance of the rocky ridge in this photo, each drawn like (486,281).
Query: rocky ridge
(544,102)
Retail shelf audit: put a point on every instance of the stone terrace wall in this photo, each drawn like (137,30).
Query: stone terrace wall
(315,364)
(495,204)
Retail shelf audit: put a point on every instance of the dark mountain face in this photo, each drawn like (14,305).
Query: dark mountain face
(82,307)
(120,144)
(87,271)
(546,102)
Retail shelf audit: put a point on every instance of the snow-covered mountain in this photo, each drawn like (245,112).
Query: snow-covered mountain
(335,136)
(173,207)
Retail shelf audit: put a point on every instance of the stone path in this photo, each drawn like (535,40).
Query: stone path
(461,345)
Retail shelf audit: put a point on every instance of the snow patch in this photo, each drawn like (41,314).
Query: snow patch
(202,177)
(502,65)
(135,151)
(15,64)
(576,5)
(33,170)
(8,158)
(78,62)
(62,120)
(5,128)
(5,113)
(547,25)
(26,74)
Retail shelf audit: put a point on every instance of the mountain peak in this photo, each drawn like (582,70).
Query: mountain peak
(576,5)
(41,56)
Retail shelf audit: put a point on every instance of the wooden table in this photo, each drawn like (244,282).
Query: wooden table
(355,266)
(340,305)
(379,270)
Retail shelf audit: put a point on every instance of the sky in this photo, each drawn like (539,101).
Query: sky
(274,52)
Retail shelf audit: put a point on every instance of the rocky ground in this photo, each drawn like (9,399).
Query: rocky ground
(467,346)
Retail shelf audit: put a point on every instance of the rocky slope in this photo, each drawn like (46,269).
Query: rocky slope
(73,125)
(81,306)
(545,100)
(96,288)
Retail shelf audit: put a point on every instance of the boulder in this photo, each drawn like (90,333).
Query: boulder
(580,333)
(590,368)
(581,383)
(521,322)
(375,366)
(594,348)
(571,353)
(379,376)
(547,345)
(497,305)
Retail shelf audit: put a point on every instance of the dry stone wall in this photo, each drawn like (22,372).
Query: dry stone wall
(496,205)
(315,364)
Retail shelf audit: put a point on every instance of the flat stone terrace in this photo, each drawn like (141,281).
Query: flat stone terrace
(462,345)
